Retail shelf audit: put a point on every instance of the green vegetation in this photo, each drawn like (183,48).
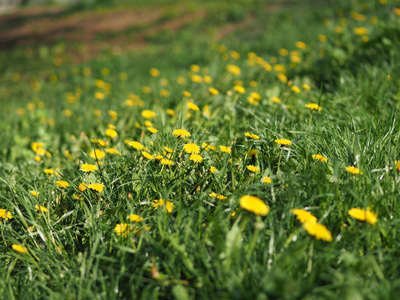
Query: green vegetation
(128,174)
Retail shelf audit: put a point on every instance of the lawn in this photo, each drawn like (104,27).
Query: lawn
(216,149)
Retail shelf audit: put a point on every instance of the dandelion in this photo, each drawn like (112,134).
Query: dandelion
(233,69)
(254,205)
(135,218)
(221,197)
(397,167)
(253,169)
(147,155)
(319,157)
(111,133)
(99,95)
(35,193)
(182,133)
(213,169)
(191,148)
(365,215)
(122,229)
(239,89)
(283,142)
(213,195)
(354,170)
(4,214)
(169,206)
(213,91)
(62,184)
(49,171)
(266,179)
(99,142)
(225,149)
(112,151)
(276,100)
(196,78)
(192,106)
(282,77)
(301,45)
(97,154)
(252,136)
(152,129)
(196,158)
(154,72)
(20,248)
(98,187)
(166,162)
(88,168)
(319,231)
(82,187)
(41,208)
(313,106)
(322,38)
(303,216)
(306,87)
(148,114)
(360,30)
(295,89)
(136,145)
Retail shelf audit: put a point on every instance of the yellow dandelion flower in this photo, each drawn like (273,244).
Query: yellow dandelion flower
(20,248)
(136,145)
(98,142)
(97,154)
(148,114)
(283,52)
(295,89)
(322,38)
(266,179)
(170,112)
(354,170)
(164,93)
(135,218)
(192,106)
(196,158)
(313,106)
(82,187)
(221,197)
(397,167)
(306,87)
(397,11)
(186,94)
(88,168)
(213,195)
(233,69)
(62,184)
(252,136)
(196,78)
(99,95)
(154,72)
(319,157)
(213,91)
(111,133)
(282,77)
(147,155)
(113,115)
(122,229)
(213,169)
(319,231)
(303,216)
(225,149)
(98,187)
(167,162)
(254,205)
(49,171)
(239,89)
(41,208)
(112,151)
(283,142)
(36,146)
(169,206)
(182,133)
(35,193)
(152,129)
(276,100)
(253,169)
(4,214)
(191,148)
(365,215)
(360,30)
(301,45)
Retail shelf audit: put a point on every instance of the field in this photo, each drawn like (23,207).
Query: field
(207,150)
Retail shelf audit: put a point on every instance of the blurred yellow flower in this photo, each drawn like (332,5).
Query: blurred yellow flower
(283,142)
(320,157)
(5,214)
(254,205)
(182,133)
(154,72)
(313,106)
(135,218)
(191,148)
(97,154)
(148,114)
(365,215)
(98,187)
(196,158)
(88,168)
(41,208)
(354,170)
(266,179)
(225,149)
(319,231)
(252,136)
(62,184)
(253,169)
(20,248)
(303,216)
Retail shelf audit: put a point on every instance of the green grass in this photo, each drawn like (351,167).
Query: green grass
(205,247)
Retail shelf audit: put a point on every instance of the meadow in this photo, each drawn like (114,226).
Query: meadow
(249,153)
